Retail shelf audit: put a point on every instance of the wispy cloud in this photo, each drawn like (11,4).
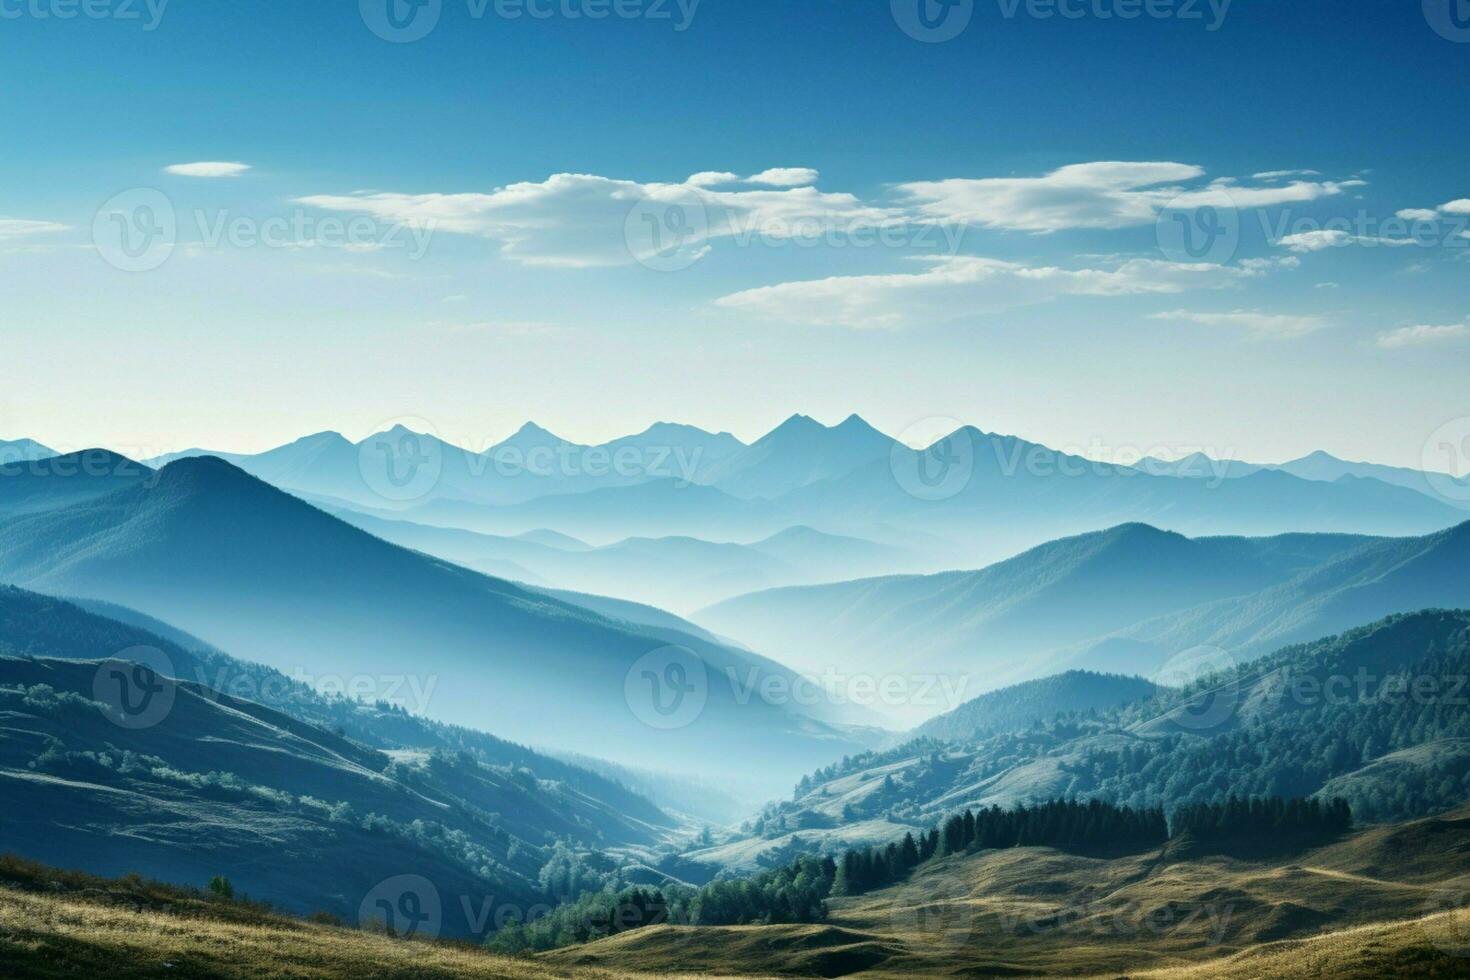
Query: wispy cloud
(1422,335)
(1325,238)
(1274,326)
(207,168)
(961,285)
(13,229)
(582,220)
(1104,195)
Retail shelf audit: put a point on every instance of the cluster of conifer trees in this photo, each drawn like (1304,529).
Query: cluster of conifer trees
(1271,820)
(1065,824)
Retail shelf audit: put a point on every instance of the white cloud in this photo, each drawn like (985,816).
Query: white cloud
(14,228)
(785,177)
(712,178)
(583,220)
(1325,238)
(1422,334)
(207,168)
(1276,326)
(961,285)
(1462,206)
(1282,174)
(1105,195)
(1417,214)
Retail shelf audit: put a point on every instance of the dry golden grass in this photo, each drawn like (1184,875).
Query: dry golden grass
(50,936)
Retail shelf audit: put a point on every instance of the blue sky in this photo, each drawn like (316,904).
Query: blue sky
(968,229)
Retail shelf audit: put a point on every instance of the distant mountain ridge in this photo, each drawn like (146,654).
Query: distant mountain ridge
(998,494)
(1125,600)
(204,546)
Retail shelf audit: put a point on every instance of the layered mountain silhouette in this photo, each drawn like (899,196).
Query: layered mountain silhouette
(1127,600)
(971,498)
(206,547)
(1323,467)
(677,573)
(271,788)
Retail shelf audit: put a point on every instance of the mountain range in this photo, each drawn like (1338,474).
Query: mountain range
(212,550)
(242,769)
(970,498)
(1129,600)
